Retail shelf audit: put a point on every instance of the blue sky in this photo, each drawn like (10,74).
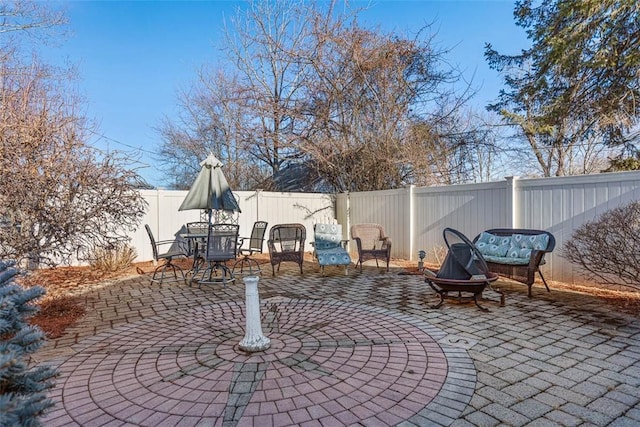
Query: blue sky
(133,56)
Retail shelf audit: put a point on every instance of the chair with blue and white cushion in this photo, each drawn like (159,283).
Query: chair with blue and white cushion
(330,247)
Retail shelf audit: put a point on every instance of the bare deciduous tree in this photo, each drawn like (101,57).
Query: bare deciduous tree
(311,86)
(27,17)
(58,199)
(211,120)
(264,43)
(380,108)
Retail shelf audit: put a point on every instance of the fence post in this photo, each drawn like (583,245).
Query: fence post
(258,201)
(348,221)
(412,226)
(513,209)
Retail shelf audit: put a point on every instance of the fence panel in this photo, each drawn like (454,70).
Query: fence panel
(342,216)
(561,205)
(469,208)
(390,208)
(164,219)
(276,208)
(415,217)
(304,208)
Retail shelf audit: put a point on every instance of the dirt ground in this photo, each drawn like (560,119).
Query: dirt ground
(63,304)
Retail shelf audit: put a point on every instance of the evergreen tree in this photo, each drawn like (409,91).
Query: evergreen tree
(22,388)
(578,84)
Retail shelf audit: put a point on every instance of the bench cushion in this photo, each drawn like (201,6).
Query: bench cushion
(522,245)
(506,260)
(491,245)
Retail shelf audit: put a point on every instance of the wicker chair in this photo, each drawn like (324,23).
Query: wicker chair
(372,243)
(160,273)
(286,243)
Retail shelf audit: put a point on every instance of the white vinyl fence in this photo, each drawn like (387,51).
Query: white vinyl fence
(415,217)
(167,222)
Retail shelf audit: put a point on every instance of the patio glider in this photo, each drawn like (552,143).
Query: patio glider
(330,247)
(174,251)
(516,253)
(286,243)
(372,243)
(253,245)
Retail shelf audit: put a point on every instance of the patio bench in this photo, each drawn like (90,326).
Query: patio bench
(516,253)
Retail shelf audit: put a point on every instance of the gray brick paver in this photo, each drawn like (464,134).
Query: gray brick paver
(564,418)
(623,422)
(510,376)
(494,395)
(570,396)
(634,413)
(556,380)
(480,418)
(461,423)
(609,407)
(477,402)
(587,414)
(591,389)
(543,422)
(576,374)
(532,409)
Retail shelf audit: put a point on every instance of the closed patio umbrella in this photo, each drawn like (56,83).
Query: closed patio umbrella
(210,191)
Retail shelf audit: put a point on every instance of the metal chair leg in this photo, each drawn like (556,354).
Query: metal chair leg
(163,269)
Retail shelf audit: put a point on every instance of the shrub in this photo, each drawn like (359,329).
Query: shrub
(113,259)
(22,388)
(608,248)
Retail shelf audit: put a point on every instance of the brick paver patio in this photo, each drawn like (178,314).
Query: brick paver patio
(363,349)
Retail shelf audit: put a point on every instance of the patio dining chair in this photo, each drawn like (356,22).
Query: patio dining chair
(160,274)
(247,246)
(372,243)
(286,243)
(221,246)
(196,246)
(329,247)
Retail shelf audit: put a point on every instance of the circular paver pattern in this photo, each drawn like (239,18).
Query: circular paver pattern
(335,362)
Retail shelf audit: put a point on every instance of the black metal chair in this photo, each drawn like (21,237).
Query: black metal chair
(286,243)
(222,242)
(254,244)
(196,246)
(159,274)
